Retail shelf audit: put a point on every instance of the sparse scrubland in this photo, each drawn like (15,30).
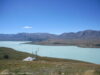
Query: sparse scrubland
(13,64)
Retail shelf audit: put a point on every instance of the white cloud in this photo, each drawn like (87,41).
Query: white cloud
(27,27)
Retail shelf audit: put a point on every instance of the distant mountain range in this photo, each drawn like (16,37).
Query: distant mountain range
(81,37)
(87,34)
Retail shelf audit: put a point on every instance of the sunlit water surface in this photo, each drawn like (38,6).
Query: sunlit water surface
(67,52)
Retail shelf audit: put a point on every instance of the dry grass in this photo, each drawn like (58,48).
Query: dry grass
(48,68)
(43,66)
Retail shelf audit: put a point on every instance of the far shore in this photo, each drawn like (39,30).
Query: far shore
(61,44)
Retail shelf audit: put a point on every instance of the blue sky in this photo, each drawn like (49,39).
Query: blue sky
(51,16)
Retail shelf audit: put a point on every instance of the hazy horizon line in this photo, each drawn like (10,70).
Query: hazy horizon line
(53,33)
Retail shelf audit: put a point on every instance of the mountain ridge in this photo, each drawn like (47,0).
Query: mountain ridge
(87,34)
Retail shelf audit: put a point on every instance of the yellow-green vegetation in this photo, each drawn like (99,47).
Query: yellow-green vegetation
(46,66)
(8,53)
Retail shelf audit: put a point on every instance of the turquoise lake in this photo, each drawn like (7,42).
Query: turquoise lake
(67,52)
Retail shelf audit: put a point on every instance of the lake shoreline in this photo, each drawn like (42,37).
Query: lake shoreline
(65,52)
(81,45)
(44,65)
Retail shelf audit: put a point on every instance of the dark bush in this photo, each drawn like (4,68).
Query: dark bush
(6,57)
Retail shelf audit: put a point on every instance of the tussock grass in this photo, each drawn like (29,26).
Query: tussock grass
(44,66)
(49,68)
